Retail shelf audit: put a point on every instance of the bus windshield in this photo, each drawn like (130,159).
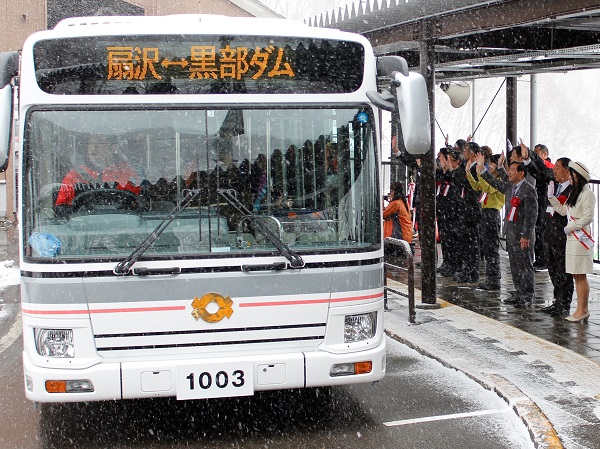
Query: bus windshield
(98,181)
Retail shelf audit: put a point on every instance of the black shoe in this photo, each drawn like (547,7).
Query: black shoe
(560,312)
(548,309)
(511,301)
(522,304)
(465,279)
(446,272)
(488,286)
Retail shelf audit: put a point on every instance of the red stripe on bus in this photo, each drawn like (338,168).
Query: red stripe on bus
(310,301)
(174,308)
(140,309)
(53,312)
(73,312)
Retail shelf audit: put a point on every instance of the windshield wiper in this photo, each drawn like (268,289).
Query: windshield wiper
(123,267)
(295,260)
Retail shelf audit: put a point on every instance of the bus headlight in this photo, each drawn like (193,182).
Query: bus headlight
(360,327)
(54,342)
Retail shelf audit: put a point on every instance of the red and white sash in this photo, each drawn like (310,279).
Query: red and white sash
(446,188)
(582,236)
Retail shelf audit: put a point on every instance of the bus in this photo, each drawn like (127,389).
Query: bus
(199,204)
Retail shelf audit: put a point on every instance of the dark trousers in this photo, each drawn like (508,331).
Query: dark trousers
(449,243)
(521,268)
(490,243)
(468,248)
(561,280)
(540,227)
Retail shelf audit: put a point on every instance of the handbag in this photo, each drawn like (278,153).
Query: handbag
(397,228)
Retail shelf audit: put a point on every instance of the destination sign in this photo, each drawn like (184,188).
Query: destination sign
(203,62)
(106,65)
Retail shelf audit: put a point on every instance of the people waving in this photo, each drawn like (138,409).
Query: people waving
(579,210)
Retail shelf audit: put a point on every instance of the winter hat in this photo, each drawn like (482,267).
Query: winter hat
(580,169)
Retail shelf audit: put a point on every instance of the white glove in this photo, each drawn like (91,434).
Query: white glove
(550,189)
(566,229)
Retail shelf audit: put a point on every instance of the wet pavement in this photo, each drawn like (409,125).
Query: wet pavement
(583,338)
(546,368)
(555,391)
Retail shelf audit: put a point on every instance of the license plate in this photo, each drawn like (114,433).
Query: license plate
(215,380)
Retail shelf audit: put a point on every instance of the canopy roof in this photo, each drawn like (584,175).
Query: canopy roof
(476,39)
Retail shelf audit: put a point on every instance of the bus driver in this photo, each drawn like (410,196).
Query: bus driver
(100,170)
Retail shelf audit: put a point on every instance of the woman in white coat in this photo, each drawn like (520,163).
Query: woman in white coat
(579,209)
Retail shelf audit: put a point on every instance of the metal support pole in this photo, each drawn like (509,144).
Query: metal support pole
(412,315)
(427,222)
(533,106)
(397,246)
(397,167)
(473,111)
(511,109)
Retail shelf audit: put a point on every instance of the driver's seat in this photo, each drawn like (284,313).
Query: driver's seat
(47,199)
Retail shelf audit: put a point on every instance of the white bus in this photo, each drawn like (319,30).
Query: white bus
(199,204)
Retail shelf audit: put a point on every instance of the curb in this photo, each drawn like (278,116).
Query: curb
(541,430)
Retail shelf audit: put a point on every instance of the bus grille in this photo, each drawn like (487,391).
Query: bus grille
(219,338)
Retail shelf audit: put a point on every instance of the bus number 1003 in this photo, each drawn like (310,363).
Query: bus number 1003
(215,380)
(221,379)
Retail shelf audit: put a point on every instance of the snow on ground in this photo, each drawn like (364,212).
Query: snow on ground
(9,274)
(464,389)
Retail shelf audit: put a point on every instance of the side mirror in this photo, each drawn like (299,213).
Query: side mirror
(6,107)
(413,110)
(9,68)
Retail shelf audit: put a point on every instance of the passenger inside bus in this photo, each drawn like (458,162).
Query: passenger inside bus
(281,202)
(103,177)
(259,182)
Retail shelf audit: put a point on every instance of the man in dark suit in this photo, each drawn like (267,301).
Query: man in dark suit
(541,170)
(555,241)
(467,212)
(521,214)
(446,219)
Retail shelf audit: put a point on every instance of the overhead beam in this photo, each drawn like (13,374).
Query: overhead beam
(527,38)
(494,16)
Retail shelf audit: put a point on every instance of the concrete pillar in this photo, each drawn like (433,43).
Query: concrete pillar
(533,106)
(473,109)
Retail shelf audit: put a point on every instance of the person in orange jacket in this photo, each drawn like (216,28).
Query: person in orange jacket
(398,210)
(101,169)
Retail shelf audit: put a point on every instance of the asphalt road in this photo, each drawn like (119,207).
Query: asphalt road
(420,404)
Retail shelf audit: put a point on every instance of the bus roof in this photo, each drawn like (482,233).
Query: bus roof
(192,24)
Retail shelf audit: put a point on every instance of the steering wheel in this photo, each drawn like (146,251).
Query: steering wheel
(91,201)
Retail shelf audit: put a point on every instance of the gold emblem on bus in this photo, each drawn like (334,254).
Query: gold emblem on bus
(200,305)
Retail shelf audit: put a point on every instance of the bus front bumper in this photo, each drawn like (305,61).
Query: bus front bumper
(194,379)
